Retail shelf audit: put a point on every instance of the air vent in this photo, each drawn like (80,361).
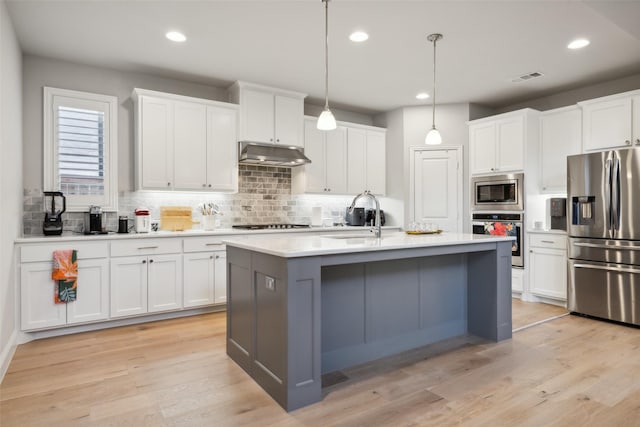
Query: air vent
(526,77)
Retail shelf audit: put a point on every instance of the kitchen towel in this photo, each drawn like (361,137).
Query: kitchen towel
(65,273)
(502,229)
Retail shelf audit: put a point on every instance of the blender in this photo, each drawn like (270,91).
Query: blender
(54,204)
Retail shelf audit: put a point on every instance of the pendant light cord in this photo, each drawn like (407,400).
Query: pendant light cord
(326,53)
(433,109)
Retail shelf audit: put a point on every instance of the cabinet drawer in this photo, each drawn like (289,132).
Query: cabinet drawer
(146,247)
(44,252)
(548,241)
(204,244)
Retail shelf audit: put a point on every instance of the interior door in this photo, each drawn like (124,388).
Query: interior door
(437,188)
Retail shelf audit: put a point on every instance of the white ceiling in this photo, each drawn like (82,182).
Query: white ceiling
(281,43)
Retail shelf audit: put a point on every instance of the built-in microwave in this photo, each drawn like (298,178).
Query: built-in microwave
(498,192)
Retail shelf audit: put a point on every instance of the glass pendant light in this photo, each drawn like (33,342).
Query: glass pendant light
(326,121)
(433,137)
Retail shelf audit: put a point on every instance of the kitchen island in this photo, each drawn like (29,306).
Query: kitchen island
(299,307)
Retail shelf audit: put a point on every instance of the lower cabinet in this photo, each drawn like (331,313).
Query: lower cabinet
(145,284)
(205,278)
(517,280)
(38,309)
(548,265)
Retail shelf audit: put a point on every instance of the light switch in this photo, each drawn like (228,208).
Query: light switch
(270,283)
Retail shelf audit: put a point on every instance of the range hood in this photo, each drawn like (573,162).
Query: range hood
(258,153)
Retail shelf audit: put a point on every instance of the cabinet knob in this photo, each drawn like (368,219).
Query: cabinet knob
(492,169)
(150,261)
(271,139)
(530,251)
(278,140)
(168,184)
(210,256)
(638,141)
(217,256)
(204,185)
(144,261)
(627,142)
(209,185)
(544,188)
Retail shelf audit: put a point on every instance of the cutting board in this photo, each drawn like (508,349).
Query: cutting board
(176,218)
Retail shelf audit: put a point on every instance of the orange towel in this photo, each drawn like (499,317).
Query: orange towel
(65,272)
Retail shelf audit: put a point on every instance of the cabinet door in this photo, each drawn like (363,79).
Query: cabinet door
(164,288)
(548,273)
(190,146)
(128,286)
(606,124)
(198,279)
(560,136)
(314,150)
(356,160)
(510,147)
(36,296)
(156,143)
(92,301)
(482,148)
(257,116)
(222,149)
(517,280)
(289,120)
(336,165)
(220,277)
(376,162)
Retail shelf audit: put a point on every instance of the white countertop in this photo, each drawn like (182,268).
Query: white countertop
(65,237)
(302,246)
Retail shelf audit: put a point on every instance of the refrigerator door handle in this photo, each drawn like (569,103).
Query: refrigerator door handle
(617,248)
(607,196)
(615,195)
(600,267)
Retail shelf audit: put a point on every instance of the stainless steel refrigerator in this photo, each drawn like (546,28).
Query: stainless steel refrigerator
(603,199)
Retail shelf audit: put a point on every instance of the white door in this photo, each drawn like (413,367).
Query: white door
(128,286)
(606,124)
(314,150)
(336,160)
(222,149)
(510,147)
(220,258)
(198,279)
(482,148)
(165,282)
(156,145)
(288,120)
(92,302)
(190,146)
(357,161)
(257,116)
(437,188)
(376,162)
(37,300)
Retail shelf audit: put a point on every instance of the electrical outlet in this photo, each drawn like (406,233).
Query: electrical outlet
(270,283)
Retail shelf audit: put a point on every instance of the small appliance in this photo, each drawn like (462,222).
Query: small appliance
(502,224)
(52,225)
(93,221)
(123,224)
(558,213)
(355,217)
(371,215)
(497,193)
(143,222)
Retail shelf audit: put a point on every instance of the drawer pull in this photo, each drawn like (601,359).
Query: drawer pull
(547,241)
(213,244)
(148,247)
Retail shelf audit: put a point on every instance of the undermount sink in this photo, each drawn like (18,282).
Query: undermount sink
(352,236)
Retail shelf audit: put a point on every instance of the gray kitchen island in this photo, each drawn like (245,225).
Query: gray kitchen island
(299,307)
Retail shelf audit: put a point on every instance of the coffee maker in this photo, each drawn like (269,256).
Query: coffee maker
(52,225)
(93,221)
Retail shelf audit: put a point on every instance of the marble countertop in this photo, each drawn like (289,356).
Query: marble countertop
(191,233)
(302,246)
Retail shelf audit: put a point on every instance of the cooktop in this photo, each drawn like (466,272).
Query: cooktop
(270,226)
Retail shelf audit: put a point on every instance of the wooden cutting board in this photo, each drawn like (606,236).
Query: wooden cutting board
(176,218)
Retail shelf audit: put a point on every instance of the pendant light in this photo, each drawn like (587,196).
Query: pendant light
(433,137)
(326,121)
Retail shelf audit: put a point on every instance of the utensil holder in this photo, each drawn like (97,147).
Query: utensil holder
(208,222)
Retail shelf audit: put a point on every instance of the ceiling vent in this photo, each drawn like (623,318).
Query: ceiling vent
(526,77)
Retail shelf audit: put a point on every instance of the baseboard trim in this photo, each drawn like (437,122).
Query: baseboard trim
(7,354)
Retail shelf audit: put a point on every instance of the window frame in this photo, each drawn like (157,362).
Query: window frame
(93,101)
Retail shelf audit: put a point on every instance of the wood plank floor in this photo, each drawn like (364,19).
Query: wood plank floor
(570,371)
(528,313)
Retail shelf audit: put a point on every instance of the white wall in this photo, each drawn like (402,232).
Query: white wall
(10,180)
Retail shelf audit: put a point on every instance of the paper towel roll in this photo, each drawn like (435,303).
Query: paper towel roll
(316,216)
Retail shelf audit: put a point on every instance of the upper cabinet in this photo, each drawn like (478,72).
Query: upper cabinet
(500,143)
(560,136)
(366,155)
(611,121)
(269,115)
(185,143)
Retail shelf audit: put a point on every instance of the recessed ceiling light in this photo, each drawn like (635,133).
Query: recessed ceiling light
(578,44)
(358,36)
(175,36)
(422,95)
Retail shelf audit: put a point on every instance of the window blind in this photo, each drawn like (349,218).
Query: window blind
(81,151)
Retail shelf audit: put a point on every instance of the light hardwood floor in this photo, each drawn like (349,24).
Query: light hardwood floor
(570,371)
(530,313)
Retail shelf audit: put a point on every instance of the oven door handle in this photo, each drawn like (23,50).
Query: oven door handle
(597,246)
(599,267)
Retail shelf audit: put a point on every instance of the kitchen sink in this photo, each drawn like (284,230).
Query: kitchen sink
(351,236)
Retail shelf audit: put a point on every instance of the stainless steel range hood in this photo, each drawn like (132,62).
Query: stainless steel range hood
(258,153)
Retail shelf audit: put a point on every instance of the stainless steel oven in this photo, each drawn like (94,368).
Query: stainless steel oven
(502,224)
(498,192)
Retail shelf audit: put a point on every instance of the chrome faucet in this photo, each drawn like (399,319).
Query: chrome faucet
(378,226)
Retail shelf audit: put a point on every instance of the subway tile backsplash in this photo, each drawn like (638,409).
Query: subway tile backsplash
(264,196)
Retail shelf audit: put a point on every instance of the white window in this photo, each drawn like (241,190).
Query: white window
(80,148)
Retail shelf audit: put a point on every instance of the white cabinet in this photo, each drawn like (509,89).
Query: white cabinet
(205,271)
(327,172)
(146,276)
(608,122)
(366,160)
(517,280)
(548,265)
(185,143)
(268,114)
(501,143)
(560,136)
(38,310)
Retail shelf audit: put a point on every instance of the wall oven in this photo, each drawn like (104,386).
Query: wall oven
(497,192)
(502,224)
